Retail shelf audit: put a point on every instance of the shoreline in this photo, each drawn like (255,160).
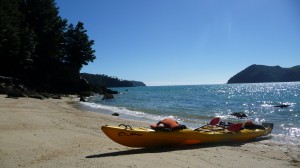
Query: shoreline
(126,114)
(58,133)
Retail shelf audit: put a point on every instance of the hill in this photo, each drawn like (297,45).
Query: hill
(106,81)
(263,73)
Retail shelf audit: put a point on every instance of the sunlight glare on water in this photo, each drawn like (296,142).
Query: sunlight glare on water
(195,105)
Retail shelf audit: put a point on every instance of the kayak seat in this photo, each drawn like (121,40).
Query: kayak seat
(235,127)
(215,121)
(211,125)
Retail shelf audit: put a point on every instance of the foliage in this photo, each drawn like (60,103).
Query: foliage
(77,48)
(38,46)
(13,40)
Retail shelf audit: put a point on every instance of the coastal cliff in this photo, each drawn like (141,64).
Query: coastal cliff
(262,73)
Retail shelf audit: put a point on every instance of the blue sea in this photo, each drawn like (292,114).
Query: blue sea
(196,105)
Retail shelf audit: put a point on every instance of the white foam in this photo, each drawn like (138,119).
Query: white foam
(124,111)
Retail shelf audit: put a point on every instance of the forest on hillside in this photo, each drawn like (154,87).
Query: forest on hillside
(42,49)
(107,81)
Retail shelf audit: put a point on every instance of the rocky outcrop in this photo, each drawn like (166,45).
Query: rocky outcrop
(15,88)
(239,114)
(108,96)
(115,114)
(83,99)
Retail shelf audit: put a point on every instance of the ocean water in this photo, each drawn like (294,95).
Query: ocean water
(196,105)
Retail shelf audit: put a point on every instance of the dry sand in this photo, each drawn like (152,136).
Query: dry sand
(53,133)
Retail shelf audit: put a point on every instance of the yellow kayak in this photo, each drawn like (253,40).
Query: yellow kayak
(144,137)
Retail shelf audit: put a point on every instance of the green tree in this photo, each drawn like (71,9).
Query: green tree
(37,46)
(9,36)
(17,42)
(78,48)
(43,19)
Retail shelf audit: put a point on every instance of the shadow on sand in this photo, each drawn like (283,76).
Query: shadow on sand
(169,149)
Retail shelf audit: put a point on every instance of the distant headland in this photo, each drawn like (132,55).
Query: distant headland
(107,81)
(262,73)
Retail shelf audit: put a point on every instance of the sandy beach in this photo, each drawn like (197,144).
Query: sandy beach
(58,133)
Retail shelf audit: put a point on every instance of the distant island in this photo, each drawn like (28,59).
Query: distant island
(262,73)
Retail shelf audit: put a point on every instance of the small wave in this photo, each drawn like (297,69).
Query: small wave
(128,113)
(285,139)
(292,137)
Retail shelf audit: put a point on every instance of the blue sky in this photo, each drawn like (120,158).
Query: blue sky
(178,42)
